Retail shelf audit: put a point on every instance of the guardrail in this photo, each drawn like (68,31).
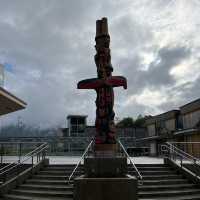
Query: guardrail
(139,176)
(179,156)
(16,149)
(81,159)
(38,153)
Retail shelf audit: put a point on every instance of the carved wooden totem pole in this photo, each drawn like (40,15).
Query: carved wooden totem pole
(103,85)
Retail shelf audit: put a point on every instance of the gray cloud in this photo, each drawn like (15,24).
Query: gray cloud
(51,47)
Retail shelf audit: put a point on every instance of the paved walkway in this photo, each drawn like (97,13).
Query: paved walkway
(75,159)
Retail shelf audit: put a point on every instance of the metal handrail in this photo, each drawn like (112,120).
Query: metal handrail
(183,153)
(28,156)
(79,162)
(178,153)
(136,169)
(184,142)
(19,161)
(25,159)
(21,143)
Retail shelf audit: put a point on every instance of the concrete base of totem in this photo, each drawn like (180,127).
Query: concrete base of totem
(105,166)
(120,188)
(105,179)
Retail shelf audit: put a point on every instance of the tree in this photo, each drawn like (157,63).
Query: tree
(126,122)
(140,121)
(130,122)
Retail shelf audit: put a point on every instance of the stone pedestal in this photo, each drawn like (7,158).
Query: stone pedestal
(105,179)
(105,166)
(121,188)
(106,150)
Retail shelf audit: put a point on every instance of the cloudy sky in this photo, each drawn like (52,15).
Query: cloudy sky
(48,46)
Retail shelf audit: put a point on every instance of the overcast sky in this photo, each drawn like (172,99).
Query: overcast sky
(48,46)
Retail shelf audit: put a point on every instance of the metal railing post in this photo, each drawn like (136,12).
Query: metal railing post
(181,162)
(2,152)
(20,152)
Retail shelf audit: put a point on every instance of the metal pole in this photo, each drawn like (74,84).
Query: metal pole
(20,152)
(32,161)
(1,153)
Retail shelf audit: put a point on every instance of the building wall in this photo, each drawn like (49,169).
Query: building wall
(193,146)
(170,124)
(153,148)
(151,129)
(191,119)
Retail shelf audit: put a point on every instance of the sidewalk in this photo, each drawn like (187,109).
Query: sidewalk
(75,159)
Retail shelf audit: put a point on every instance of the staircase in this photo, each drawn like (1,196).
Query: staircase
(48,184)
(159,182)
(163,183)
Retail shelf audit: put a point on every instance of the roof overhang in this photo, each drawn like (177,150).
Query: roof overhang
(9,103)
(186,131)
(155,137)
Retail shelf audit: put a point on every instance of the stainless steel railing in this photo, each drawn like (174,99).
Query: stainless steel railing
(80,160)
(191,148)
(16,149)
(139,176)
(179,156)
(39,153)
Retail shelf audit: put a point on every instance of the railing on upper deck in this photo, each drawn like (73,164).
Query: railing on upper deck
(30,158)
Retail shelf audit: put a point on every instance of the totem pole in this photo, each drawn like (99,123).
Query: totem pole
(103,85)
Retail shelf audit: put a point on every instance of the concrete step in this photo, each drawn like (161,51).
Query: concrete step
(149,165)
(46,187)
(168,193)
(153,172)
(150,168)
(47,182)
(50,177)
(47,193)
(62,165)
(165,181)
(165,187)
(57,172)
(161,177)
(185,197)
(23,197)
(62,168)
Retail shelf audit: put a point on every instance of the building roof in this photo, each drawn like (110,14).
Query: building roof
(76,116)
(186,131)
(163,116)
(9,103)
(190,107)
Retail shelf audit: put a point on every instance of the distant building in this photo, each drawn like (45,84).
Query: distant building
(190,132)
(76,124)
(78,134)
(160,129)
(181,125)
